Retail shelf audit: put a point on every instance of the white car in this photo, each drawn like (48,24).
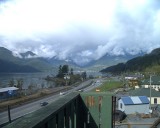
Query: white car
(62,93)
(80,90)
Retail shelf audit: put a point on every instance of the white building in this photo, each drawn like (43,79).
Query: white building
(150,93)
(154,83)
(134,104)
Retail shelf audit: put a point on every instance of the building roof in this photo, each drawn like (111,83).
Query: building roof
(128,100)
(8,89)
(155,80)
(144,92)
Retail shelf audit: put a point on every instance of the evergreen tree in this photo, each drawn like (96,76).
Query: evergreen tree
(65,69)
(84,75)
(60,74)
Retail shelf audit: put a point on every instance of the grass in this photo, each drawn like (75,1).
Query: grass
(110,85)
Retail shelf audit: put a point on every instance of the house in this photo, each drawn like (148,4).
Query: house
(134,104)
(150,93)
(154,83)
(8,92)
(132,80)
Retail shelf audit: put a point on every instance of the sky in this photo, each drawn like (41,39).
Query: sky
(83,30)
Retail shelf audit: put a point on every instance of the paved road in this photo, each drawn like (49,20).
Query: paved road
(31,107)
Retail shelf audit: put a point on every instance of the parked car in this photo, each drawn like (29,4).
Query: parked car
(43,103)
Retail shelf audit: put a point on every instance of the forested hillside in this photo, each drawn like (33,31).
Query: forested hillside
(148,62)
(8,67)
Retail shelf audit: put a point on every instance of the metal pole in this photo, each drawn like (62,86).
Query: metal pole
(9,115)
(150,93)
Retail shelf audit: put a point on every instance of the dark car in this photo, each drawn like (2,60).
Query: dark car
(43,103)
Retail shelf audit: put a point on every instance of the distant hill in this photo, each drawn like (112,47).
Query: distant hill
(148,62)
(32,60)
(8,67)
(28,62)
(21,63)
(109,60)
(28,54)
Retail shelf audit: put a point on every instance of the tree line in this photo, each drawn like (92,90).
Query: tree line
(66,76)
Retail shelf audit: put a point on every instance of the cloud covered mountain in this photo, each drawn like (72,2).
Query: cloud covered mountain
(17,62)
(146,63)
(82,30)
(32,62)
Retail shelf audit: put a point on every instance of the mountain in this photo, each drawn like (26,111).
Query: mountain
(8,67)
(109,60)
(57,62)
(29,62)
(50,64)
(146,62)
(23,62)
(7,55)
(28,54)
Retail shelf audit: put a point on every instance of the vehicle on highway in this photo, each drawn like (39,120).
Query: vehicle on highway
(97,90)
(80,90)
(43,103)
(62,93)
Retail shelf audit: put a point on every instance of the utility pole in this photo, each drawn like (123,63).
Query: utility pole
(9,114)
(150,93)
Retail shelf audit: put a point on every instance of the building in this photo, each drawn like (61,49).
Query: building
(154,82)
(133,80)
(151,94)
(8,92)
(134,104)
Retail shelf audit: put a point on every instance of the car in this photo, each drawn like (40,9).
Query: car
(80,90)
(97,90)
(63,93)
(43,103)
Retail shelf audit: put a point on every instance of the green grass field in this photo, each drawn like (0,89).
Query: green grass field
(109,85)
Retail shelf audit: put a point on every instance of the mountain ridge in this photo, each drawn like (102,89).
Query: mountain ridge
(142,63)
(46,64)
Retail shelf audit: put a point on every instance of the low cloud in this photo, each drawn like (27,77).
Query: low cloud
(79,29)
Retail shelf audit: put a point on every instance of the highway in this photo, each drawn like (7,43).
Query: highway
(31,107)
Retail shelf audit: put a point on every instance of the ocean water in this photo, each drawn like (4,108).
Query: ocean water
(36,79)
